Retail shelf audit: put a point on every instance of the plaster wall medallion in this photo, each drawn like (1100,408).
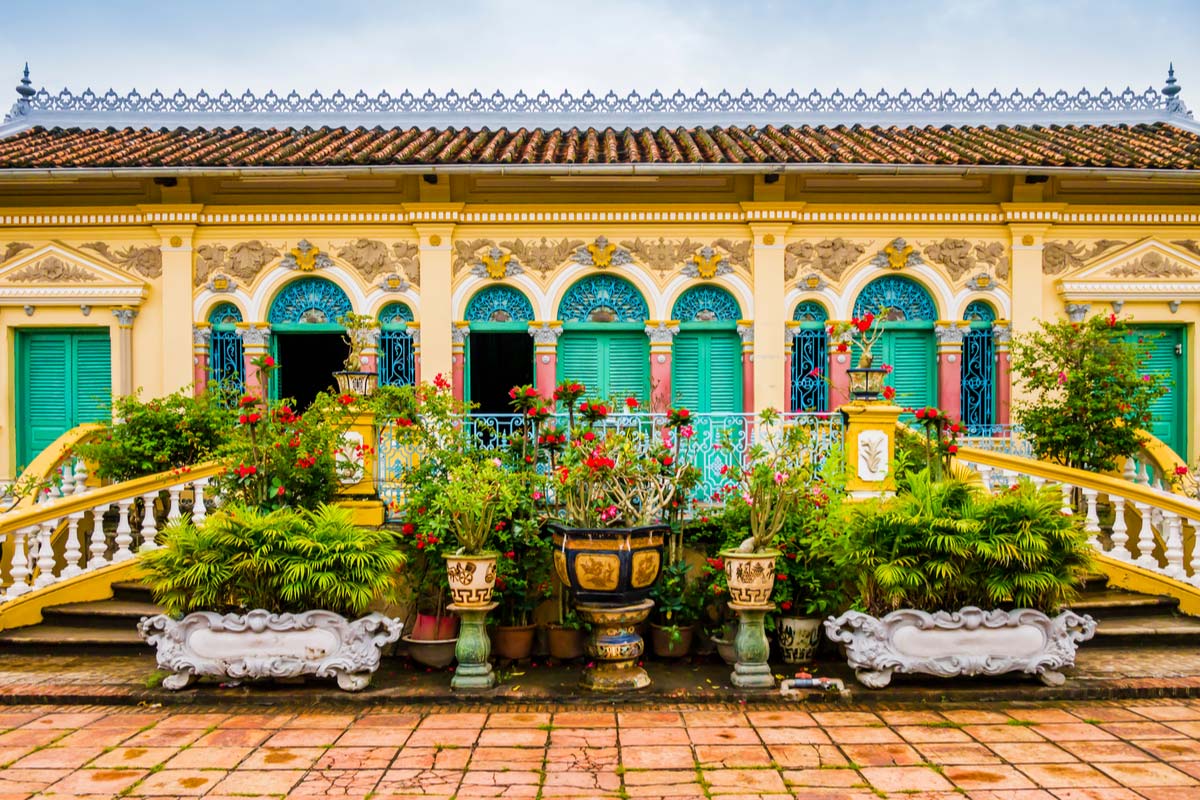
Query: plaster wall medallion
(966,642)
(872,455)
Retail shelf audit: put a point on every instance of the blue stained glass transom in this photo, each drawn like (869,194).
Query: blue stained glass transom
(395,314)
(397,365)
(311,301)
(809,352)
(603,298)
(905,299)
(979,311)
(224,314)
(706,304)
(499,304)
(810,311)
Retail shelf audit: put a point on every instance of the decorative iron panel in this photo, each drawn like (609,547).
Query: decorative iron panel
(603,298)
(397,364)
(706,304)
(224,314)
(309,301)
(977,378)
(395,314)
(226,366)
(810,348)
(979,311)
(499,304)
(905,299)
(810,311)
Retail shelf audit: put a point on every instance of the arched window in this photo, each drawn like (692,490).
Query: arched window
(904,298)
(706,356)
(499,304)
(397,364)
(309,301)
(226,365)
(908,344)
(810,348)
(604,344)
(706,304)
(603,298)
(978,368)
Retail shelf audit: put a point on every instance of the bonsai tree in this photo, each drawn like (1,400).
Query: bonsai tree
(358,337)
(1087,398)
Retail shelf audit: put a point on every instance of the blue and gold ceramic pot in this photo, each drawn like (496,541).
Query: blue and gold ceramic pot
(610,566)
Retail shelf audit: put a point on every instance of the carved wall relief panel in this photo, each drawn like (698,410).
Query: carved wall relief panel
(1152,265)
(243,261)
(960,257)
(373,260)
(1063,256)
(830,257)
(51,269)
(146,261)
(543,255)
(12,249)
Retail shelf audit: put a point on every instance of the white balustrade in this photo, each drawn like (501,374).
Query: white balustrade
(1172,528)
(45,556)
(124,531)
(80,476)
(99,544)
(199,512)
(173,512)
(19,570)
(1068,502)
(1145,541)
(1120,537)
(74,551)
(149,525)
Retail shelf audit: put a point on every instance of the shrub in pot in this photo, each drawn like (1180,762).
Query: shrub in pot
(523,584)
(432,630)
(676,611)
(271,594)
(565,637)
(956,581)
(360,334)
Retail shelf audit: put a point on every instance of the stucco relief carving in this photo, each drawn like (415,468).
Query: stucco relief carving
(543,255)
(466,253)
(830,257)
(242,262)
(872,455)
(602,254)
(306,257)
(147,261)
(897,254)
(1063,256)
(51,269)
(408,257)
(1191,245)
(1152,265)
(960,256)
(661,255)
(696,259)
(14,248)
(372,259)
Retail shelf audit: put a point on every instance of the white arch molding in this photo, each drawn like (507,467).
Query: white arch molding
(997,300)
(206,301)
(928,278)
(795,297)
(380,298)
(473,284)
(732,282)
(637,275)
(264,293)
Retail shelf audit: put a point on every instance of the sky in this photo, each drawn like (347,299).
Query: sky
(600,45)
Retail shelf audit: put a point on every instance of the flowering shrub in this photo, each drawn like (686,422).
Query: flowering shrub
(522,571)
(862,331)
(941,439)
(474,498)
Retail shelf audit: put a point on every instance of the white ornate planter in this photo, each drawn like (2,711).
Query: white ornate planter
(798,638)
(968,642)
(260,644)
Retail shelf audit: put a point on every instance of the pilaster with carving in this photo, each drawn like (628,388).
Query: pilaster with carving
(545,355)
(125,316)
(414,333)
(201,338)
(950,335)
(662,340)
(256,342)
(1001,340)
(459,331)
(745,329)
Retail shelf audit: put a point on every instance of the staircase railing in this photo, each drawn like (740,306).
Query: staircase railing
(103,526)
(54,473)
(1128,523)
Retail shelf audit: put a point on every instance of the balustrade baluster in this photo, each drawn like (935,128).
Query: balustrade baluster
(74,551)
(1129,472)
(80,476)
(199,512)
(45,558)
(99,546)
(124,531)
(149,525)
(1145,541)
(1173,545)
(19,571)
(1193,561)
(66,479)
(173,513)
(1068,508)
(1120,538)
(53,490)
(1038,482)
(985,475)
(1091,521)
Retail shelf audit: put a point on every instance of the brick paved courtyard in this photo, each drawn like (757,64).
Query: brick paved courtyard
(1100,751)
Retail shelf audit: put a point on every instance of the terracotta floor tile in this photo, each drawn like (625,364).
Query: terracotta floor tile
(499,779)
(660,777)
(10,754)
(648,719)
(591,737)
(310,722)
(259,781)
(748,781)
(391,720)
(128,719)
(1032,753)
(795,755)
(1096,794)
(924,733)
(24,781)
(432,737)
(453,720)
(636,737)
(1091,752)
(657,757)
(291,737)
(972,716)
(822,793)
(1151,773)
(1010,794)
(1190,728)
(107,782)
(90,737)
(1164,713)
(357,736)
(957,753)
(1168,793)
(882,755)
(135,757)
(1190,767)
(1172,750)
(348,783)
(584,719)
(582,758)
(1073,732)
(209,758)
(58,758)
(1106,714)
(179,782)
(894,718)
(15,719)
(1141,730)
(513,758)
(343,758)
(513,737)
(158,736)
(419,758)
(732,755)
(714,719)
(844,778)
(780,719)
(64,720)
(1003,733)
(191,721)
(862,735)
(1044,715)
(517,720)
(256,721)
(813,735)
(987,776)
(845,719)
(246,737)
(282,758)
(579,783)
(723,735)
(24,736)
(905,779)
(1067,776)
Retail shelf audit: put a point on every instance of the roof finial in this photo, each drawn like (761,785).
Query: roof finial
(1171,93)
(25,87)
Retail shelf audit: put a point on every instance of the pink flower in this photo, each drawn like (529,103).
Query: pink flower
(1147,378)
(497,462)
(815,372)
(538,495)
(780,477)
(747,498)
(686,432)
(887,368)
(1062,378)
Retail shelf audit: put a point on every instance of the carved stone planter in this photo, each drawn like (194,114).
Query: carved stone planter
(751,576)
(471,578)
(260,644)
(608,566)
(967,642)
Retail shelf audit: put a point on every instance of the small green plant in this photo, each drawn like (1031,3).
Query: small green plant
(471,499)
(358,337)
(242,558)
(522,571)
(678,601)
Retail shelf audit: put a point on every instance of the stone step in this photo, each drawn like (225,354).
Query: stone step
(130,590)
(1149,629)
(100,613)
(1109,603)
(60,639)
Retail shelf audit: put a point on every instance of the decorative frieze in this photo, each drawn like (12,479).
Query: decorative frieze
(242,261)
(255,335)
(662,333)
(306,257)
(543,255)
(661,255)
(545,334)
(830,257)
(949,334)
(897,254)
(146,261)
(466,253)
(51,269)
(1064,256)
(373,260)
(1191,245)
(12,249)
(602,254)
(960,256)
(1152,265)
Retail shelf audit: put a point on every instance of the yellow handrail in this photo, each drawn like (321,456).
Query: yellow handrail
(51,458)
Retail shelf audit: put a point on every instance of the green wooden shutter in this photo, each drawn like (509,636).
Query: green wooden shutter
(914,370)
(1169,420)
(93,377)
(65,380)
(627,365)
(686,371)
(579,360)
(724,369)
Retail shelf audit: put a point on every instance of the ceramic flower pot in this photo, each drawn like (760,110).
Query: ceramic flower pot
(513,642)
(431,626)
(668,646)
(609,566)
(436,653)
(798,638)
(356,382)
(471,578)
(727,650)
(751,576)
(565,644)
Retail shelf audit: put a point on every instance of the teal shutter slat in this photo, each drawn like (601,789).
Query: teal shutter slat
(686,372)
(1169,412)
(628,365)
(724,368)
(45,392)
(93,378)
(911,356)
(579,360)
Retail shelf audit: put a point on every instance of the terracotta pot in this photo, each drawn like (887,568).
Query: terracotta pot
(429,627)
(471,578)
(566,644)
(513,642)
(751,576)
(667,647)
(798,638)
(609,566)
(436,653)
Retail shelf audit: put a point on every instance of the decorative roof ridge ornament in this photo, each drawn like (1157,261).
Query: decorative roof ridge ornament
(634,109)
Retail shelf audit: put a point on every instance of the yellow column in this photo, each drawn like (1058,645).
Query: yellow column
(124,366)
(1027,290)
(770,386)
(176,372)
(437,312)
(870,448)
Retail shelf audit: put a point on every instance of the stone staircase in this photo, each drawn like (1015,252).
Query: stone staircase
(1130,619)
(101,626)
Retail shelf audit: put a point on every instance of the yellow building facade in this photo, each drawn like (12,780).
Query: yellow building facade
(133,259)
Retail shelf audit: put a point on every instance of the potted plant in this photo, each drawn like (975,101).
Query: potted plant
(522,585)
(564,638)
(271,594)
(433,630)
(866,380)
(956,581)
(676,610)
(361,333)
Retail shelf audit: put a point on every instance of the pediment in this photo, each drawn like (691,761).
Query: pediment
(58,275)
(1146,260)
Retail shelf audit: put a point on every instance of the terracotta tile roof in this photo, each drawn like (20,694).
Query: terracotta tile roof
(1148,145)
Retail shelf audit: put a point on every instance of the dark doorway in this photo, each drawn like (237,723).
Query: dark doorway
(307,362)
(499,361)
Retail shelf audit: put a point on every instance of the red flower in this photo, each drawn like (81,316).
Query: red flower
(842,347)
(530,392)
(782,576)
(346,399)
(920,413)
(631,402)
(268,361)
(280,491)
(408,529)
(589,437)
(814,372)
(667,461)
(889,393)
(684,413)
(786,605)
(440,381)
(511,554)
(1181,469)
(952,449)
(404,422)
(248,400)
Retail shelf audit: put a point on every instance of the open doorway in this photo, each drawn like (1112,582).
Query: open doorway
(499,361)
(307,362)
